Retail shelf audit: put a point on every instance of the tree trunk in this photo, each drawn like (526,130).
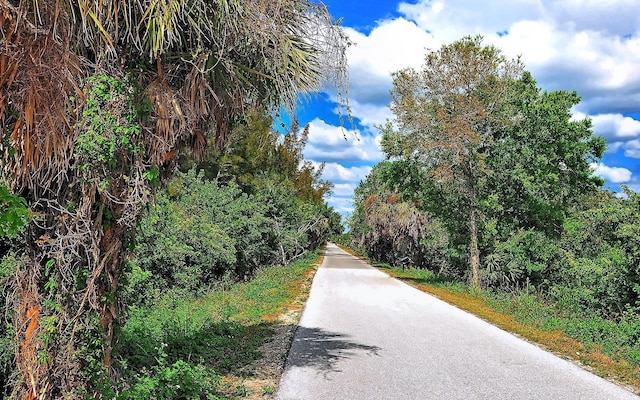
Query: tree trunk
(111,247)
(58,318)
(474,253)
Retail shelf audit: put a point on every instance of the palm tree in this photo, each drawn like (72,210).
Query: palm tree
(97,99)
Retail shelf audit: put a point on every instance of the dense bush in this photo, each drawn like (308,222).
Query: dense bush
(198,231)
(526,260)
(400,234)
(194,233)
(601,245)
(7,335)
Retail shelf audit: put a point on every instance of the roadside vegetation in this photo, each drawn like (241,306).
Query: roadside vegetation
(204,347)
(226,248)
(101,103)
(487,192)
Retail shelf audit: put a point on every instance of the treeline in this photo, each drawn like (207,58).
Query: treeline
(488,179)
(253,204)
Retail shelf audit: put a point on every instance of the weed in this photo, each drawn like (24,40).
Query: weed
(267,390)
(183,339)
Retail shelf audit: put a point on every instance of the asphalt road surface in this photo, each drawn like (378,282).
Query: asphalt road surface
(364,335)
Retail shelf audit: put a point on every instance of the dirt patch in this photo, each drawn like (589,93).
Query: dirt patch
(263,376)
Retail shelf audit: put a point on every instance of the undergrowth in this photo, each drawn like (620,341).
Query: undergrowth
(199,348)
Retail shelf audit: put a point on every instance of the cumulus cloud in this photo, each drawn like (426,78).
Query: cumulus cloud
(371,115)
(333,143)
(632,149)
(447,19)
(343,190)
(345,180)
(340,174)
(391,46)
(343,205)
(611,174)
(590,46)
(616,127)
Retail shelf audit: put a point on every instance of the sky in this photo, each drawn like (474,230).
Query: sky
(590,46)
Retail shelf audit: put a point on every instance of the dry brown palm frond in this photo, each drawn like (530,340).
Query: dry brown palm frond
(36,70)
(169,119)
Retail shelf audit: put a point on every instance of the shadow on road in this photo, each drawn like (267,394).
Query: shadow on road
(321,350)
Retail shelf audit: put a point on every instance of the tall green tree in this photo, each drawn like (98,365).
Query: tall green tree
(541,163)
(98,99)
(257,153)
(447,114)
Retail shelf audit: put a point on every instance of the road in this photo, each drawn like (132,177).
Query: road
(364,335)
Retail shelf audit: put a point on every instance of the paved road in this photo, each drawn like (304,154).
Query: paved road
(364,335)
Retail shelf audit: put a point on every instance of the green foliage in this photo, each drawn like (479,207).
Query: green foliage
(618,339)
(602,256)
(199,231)
(110,123)
(180,380)
(14,213)
(183,340)
(541,164)
(257,156)
(193,234)
(497,163)
(8,266)
(524,261)
(396,228)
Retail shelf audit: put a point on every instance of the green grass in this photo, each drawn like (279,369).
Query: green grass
(219,333)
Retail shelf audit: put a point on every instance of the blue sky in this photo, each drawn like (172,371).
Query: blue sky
(591,46)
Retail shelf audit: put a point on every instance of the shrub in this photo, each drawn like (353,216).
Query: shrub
(180,380)
(526,259)
(195,233)
(7,337)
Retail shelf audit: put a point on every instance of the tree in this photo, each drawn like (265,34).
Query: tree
(257,153)
(447,115)
(542,163)
(97,100)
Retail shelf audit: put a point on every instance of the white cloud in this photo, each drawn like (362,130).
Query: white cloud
(345,180)
(343,190)
(333,143)
(590,46)
(391,46)
(632,149)
(451,19)
(613,17)
(616,128)
(612,174)
(371,115)
(339,174)
(343,205)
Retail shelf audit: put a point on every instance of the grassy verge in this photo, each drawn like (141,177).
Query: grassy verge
(530,318)
(207,348)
